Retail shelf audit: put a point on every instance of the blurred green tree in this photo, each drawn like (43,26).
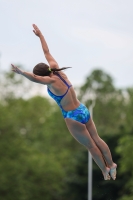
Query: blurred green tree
(77,179)
(110,118)
(39,157)
(125,149)
(99,86)
(35,146)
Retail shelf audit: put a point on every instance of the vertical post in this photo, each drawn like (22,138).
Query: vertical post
(90,160)
(89,176)
(0,71)
(0,66)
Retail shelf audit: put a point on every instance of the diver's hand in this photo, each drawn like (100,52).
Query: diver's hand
(36,31)
(16,69)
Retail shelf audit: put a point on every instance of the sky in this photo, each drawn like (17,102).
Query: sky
(82,34)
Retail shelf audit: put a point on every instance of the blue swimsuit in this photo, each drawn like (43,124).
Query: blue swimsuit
(80,114)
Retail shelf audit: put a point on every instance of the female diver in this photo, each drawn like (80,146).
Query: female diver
(76,115)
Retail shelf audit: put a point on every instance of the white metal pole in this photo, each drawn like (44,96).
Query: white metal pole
(0,67)
(0,72)
(90,160)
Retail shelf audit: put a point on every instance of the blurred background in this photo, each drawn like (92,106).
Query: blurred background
(39,158)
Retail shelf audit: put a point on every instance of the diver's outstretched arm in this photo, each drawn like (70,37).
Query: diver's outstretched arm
(32,77)
(52,62)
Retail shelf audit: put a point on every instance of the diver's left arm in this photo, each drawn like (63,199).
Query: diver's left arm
(32,77)
(28,75)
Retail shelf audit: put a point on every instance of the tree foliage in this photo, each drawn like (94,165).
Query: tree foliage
(39,157)
(99,87)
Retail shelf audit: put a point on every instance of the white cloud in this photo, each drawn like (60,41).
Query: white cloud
(108,38)
(87,33)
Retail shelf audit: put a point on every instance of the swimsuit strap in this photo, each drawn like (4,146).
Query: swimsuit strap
(63,80)
(59,98)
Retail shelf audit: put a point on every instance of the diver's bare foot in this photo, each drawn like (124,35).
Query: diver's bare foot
(106,174)
(113,171)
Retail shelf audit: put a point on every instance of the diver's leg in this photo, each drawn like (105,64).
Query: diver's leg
(81,134)
(103,147)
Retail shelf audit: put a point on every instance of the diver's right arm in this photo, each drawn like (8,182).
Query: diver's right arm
(52,62)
